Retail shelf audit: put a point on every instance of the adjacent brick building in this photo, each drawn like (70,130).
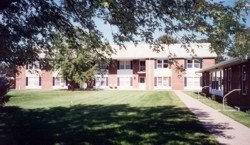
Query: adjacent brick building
(136,67)
(226,76)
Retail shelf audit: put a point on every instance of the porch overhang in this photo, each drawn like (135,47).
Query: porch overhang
(223,64)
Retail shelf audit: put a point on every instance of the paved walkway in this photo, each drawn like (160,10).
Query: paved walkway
(225,130)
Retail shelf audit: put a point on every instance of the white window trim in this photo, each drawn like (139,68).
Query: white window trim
(244,78)
(161,78)
(161,63)
(59,83)
(101,81)
(193,63)
(124,65)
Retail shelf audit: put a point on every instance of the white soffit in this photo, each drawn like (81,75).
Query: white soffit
(223,64)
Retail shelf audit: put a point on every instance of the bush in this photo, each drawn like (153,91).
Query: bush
(4,85)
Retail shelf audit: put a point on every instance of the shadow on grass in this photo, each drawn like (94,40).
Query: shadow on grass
(4,100)
(101,124)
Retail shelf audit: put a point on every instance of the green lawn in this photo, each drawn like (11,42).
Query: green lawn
(239,116)
(98,117)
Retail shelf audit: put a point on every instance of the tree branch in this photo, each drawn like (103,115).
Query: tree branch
(6,3)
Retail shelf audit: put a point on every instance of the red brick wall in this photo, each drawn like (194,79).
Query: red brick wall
(150,64)
(135,64)
(46,80)
(177,77)
(21,78)
(208,62)
(236,98)
(112,78)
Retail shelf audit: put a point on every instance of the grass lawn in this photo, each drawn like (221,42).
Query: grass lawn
(239,116)
(98,117)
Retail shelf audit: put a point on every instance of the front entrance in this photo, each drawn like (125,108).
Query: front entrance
(142,84)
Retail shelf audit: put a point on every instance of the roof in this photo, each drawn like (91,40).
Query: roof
(142,51)
(223,64)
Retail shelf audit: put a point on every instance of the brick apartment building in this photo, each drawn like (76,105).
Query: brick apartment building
(226,76)
(136,67)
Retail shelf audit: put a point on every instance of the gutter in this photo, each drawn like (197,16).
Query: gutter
(223,64)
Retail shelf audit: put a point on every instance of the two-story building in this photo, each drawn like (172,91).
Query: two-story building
(136,67)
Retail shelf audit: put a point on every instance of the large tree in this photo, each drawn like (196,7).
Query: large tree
(77,58)
(241,44)
(28,28)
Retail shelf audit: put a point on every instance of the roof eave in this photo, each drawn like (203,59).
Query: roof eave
(223,64)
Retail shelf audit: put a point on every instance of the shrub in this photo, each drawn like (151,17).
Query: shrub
(4,85)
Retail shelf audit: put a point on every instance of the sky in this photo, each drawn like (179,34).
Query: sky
(107,29)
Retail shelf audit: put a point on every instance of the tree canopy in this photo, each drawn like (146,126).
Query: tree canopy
(29,28)
(241,44)
(166,39)
(77,60)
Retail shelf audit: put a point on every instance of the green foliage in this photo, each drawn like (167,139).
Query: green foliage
(4,85)
(27,27)
(241,45)
(77,58)
(165,39)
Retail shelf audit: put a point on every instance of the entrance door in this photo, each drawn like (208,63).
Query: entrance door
(142,84)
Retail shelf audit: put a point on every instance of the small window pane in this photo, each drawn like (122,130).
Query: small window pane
(124,65)
(36,65)
(31,81)
(159,64)
(30,66)
(142,80)
(159,81)
(165,81)
(36,81)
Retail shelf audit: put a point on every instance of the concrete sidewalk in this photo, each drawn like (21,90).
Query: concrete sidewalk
(224,129)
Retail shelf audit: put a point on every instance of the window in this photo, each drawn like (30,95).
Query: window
(221,80)
(244,84)
(142,79)
(101,81)
(101,69)
(214,81)
(59,81)
(162,63)
(193,63)
(225,80)
(197,63)
(125,81)
(192,82)
(163,81)
(30,66)
(189,81)
(229,79)
(142,66)
(35,65)
(159,63)
(124,65)
(189,63)
(197,82)
(33,81)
